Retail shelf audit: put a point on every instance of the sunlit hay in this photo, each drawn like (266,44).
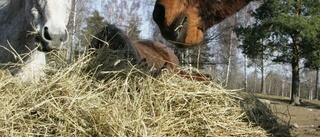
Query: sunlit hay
(71,102)
(19,57)
(28,67)
(57,60)
(5,78)
(260,113)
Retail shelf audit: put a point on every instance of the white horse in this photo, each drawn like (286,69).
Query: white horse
(28,29)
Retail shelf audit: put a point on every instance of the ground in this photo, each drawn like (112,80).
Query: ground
(304,119)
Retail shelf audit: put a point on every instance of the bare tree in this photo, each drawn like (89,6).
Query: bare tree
(81,10)
(70,51)
(125,14)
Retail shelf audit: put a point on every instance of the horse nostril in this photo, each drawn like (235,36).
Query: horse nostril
(159,13)
(65,36)
(47,34)
(56,35)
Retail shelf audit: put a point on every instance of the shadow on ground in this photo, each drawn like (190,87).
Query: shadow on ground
(304,103)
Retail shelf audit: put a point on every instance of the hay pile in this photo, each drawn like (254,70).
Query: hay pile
(70,102)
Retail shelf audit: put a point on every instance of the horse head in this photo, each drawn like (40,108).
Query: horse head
(30,28)
(49,19)
(183,22)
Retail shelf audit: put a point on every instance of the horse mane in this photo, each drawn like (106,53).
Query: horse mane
(9,8)
(115,39)
(214,11)
(3,3)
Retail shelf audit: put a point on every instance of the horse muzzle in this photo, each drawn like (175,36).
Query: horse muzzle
(52,38)
(177,31)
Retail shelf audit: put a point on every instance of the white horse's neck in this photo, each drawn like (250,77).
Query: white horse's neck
(13,26)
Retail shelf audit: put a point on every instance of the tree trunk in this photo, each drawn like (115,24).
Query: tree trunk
(181,56)
(188,54)
(263,83)
(229,64)
(198,57)
(295,99)
(263,86)
(282,89)
(70,52)
(317,97)
(229,59)
(269,88)
(295,96)
(245,73)
(310,97)
(255,79)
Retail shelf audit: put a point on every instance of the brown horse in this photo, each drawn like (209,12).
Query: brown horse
(156,55)
(160,56)
(183,22)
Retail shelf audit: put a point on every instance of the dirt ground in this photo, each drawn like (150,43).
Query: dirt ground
(304,119)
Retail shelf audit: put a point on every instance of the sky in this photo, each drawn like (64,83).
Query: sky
(145,31)
(98,4)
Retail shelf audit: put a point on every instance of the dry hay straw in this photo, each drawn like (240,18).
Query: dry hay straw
(70,102)
(259,112)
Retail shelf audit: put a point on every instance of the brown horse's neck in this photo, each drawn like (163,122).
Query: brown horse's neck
(219,10)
